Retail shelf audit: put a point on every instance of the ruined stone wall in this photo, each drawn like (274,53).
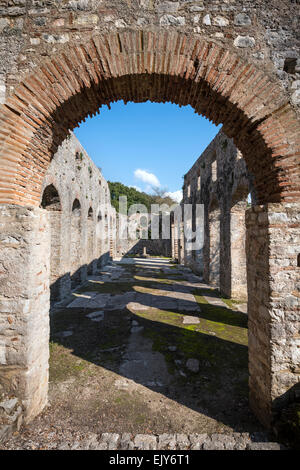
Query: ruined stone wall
(264,32)
(273,267)
(219,179)
(24,311)
(236,60)
(80,242)
(158,247)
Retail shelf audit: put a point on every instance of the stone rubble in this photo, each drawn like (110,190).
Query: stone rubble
(127,441)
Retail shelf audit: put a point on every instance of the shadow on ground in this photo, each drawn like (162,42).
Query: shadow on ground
(139,368)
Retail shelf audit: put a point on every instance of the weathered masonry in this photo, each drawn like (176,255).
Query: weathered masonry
(219,180)
(73,237)
(235,62)
(81,217)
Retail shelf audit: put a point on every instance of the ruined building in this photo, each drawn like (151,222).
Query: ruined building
(219,180)
(235,62)
(81,217)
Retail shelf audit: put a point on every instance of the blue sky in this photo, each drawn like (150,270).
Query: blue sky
(146,144)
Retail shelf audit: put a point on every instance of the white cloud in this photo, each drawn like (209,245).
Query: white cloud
(147,177)
(137,188)
(176,195)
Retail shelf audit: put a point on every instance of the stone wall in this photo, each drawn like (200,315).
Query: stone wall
(273,246)
(54,248)
(80,216)
(219,179)
(24,306)
(251,252)
(264,32)
(234,61)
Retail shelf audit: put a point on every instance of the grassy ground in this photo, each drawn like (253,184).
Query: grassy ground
(88,392)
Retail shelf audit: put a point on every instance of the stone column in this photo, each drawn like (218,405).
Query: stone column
(272,248)
(56,276)
(90,256)
(24,305)
(173,254)
(76,250)
(214,247)
(181,245)
(238,253)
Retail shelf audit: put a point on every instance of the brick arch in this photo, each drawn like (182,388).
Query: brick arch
(156,66)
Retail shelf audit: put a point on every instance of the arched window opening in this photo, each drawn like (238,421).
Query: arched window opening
(76,247)
(76,207)
(51,199)
(90,252)
(51,202)
(236,286)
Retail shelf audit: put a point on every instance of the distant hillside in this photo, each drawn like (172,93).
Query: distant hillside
(135,197)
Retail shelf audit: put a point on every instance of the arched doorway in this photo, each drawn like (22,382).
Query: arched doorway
(51,202)
(214,243)
(90,242)
(165,66)
(238,288)
(76,244)
(99,239)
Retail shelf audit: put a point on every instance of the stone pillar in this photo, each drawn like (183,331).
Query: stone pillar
(56,277)
(24,305)
(214,247)
(173,254)
(206,246)
(238,253)
(90,246)
(99,240)
(76,250)
(181,244)
(272,248)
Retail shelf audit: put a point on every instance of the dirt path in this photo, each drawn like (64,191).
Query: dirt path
(144,347)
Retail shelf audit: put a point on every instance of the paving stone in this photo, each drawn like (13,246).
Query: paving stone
(145,442)
(64,446)
(120,301)
(197,440)
(126,442)
(243,308)
(263,446)
(223,439)
(136,306)
(167,441)
(190,320)
(91,442)
(111,439)
(213,445)
(99,301)
(79,302)
(182,441)
(215,301)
